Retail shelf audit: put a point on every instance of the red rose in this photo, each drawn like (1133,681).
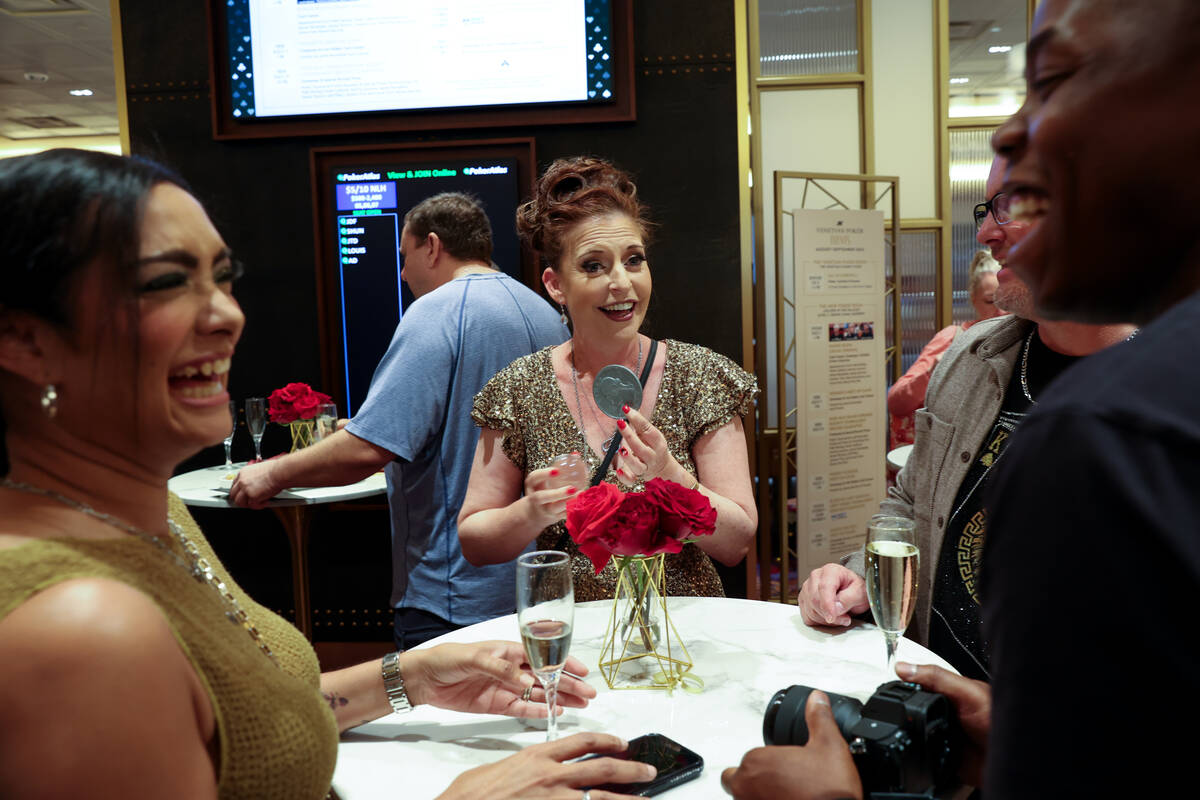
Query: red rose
(280,409)
(306,407)
(683,512)
(295,401)
(588,513)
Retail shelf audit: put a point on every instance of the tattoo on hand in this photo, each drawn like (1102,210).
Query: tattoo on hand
(335,700)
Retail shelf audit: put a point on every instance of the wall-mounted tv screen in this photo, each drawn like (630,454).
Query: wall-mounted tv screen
(362,195)
(341,65)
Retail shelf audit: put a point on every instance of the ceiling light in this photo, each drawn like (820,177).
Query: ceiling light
(996,29)
(960,80)
(1000,48)
(82,92)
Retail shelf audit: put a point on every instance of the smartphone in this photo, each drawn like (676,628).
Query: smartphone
(675,764)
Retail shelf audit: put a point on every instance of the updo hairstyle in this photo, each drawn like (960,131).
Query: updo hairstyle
(570,191)
(60,212)
(982,264)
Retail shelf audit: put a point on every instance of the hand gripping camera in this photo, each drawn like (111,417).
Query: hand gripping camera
(905,741)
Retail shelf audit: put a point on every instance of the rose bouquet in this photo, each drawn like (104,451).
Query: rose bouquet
(639,528)
(293,402)
(605,521)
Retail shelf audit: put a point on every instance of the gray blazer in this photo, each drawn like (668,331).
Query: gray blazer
(962,402)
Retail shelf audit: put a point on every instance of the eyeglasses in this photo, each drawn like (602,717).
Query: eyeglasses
(998,206)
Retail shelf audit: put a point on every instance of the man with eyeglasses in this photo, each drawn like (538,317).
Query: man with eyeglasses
(990,378)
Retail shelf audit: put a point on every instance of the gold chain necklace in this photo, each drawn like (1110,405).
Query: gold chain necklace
(198,567)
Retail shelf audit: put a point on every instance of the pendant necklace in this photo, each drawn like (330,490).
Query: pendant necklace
(196,565)
(579,404)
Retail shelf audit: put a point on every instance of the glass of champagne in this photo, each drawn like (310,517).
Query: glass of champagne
(232,431)
(893,563)
(256,421)
(545,613)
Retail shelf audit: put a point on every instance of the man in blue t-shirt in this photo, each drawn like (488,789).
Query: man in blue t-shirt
(468,322)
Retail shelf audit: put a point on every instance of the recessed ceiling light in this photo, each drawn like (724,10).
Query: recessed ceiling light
(82,92)
(960,80)
(1000,48)
(996,29)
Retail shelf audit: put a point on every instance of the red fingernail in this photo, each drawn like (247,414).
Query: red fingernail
(625,409)
(624,452)
(620,471)
(553,472)
(570,490)
(621,424)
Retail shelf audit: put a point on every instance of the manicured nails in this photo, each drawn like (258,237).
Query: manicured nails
(621,424)
(570,490)
(625,409)
(553,472)
(624,451)
(620,471)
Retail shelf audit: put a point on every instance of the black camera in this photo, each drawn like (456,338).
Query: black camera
(906,741)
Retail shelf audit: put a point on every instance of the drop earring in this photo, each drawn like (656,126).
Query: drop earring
(562,314)
(50,400)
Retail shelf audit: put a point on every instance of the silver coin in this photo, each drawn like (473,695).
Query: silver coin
(616,386)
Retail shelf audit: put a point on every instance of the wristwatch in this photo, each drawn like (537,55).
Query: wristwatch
(393,684)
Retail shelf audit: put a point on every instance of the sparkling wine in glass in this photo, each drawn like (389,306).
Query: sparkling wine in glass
(893,563)
(546,613)
(233,414)
(256,421)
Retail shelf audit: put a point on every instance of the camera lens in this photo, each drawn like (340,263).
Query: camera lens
(783,721)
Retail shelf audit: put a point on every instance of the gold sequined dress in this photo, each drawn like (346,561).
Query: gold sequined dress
(700,391)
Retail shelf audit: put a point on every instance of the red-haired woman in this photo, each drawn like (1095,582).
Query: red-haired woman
(590,230)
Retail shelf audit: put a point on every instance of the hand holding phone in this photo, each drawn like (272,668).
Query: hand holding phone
(675,763)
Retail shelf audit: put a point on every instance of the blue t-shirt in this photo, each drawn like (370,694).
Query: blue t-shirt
(448,344)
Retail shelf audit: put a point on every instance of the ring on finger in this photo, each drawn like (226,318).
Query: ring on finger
(525,695)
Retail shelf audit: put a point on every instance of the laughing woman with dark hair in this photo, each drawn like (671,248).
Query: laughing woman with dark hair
(590,228)
(133,665)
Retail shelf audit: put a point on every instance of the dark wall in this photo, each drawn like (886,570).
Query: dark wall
(682,150)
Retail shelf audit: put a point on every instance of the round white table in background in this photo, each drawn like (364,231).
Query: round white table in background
(293,507)
(744,650)
(898,457)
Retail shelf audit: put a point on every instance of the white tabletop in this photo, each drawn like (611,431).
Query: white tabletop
(744,650)
(898,457)
(200,488)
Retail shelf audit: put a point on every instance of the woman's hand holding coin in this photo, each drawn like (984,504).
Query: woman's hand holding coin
(644,454)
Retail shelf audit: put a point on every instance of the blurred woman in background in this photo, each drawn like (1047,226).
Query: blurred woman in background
(908,393)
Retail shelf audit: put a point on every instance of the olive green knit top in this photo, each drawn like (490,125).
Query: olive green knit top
(277,737)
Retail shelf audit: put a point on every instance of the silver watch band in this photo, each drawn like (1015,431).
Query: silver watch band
(393,684)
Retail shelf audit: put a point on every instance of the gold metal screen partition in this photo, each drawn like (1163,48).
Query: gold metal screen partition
(777,460)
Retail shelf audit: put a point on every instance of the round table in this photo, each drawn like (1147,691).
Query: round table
(898,457)
(208,487)
(744,650)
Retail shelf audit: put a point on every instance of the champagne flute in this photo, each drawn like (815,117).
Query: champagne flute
(232,430)
(893,563)
(546,613)
(256,421)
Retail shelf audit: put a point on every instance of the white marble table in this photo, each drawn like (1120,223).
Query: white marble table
(745,651)
(208,488)
(898,457)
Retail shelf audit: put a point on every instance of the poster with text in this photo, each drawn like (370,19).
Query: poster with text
(841,414)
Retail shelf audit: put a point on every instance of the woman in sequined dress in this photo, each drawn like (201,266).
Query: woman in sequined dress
(121,674)
(589,227)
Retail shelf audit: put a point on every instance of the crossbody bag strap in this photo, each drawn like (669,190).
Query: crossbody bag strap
(602,470)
